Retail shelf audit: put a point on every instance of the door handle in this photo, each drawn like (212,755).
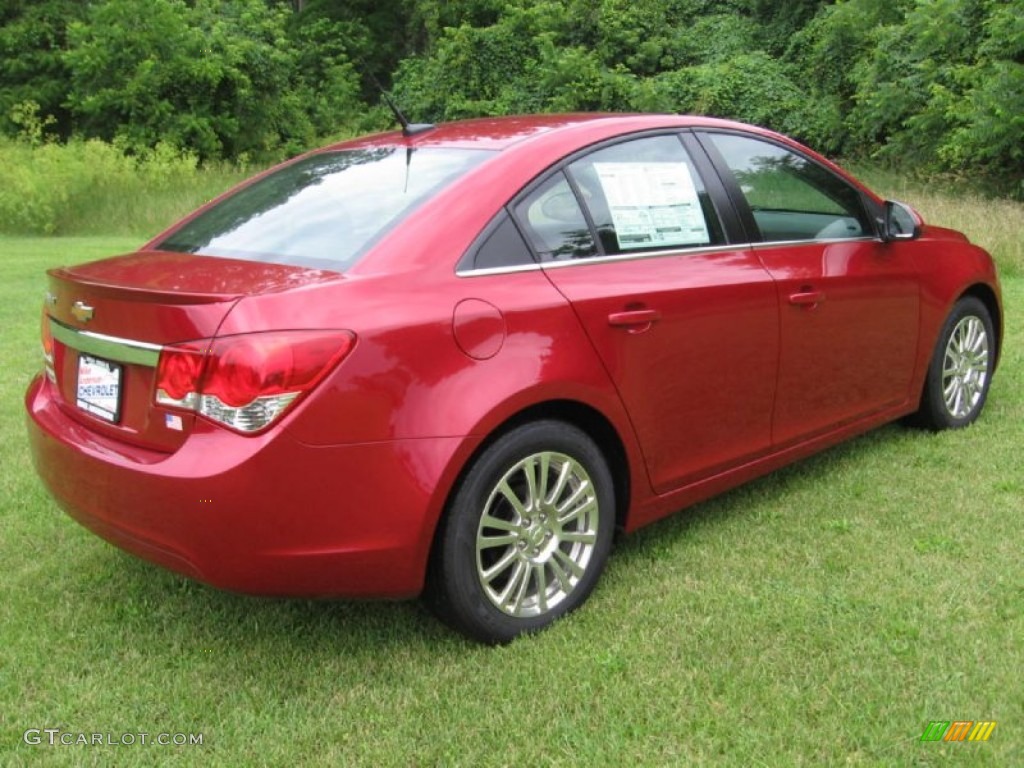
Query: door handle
(633,317)
(807,298)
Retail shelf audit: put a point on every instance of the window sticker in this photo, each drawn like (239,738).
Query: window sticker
(653,204)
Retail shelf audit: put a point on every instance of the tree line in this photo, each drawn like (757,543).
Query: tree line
(934,83)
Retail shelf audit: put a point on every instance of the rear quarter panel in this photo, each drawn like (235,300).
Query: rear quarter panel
(408,379)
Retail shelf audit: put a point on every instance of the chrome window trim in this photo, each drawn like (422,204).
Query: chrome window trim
(604,260)
(828,241)
(497,270)
(646,255)
(107,347)
(659,254)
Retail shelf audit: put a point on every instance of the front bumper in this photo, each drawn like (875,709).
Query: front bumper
(264,515)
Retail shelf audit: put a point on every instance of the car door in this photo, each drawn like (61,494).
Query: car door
(848,302)
(685,322)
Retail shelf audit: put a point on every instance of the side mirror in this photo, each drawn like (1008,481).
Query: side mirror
(901,222)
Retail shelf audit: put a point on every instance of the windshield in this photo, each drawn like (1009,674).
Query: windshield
(324,211)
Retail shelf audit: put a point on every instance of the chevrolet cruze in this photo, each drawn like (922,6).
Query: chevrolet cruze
(454,360)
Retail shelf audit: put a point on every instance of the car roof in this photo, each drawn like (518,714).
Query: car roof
(498,133)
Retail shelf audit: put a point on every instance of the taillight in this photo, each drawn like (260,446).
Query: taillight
(247,382)
(178,372)
(47,341)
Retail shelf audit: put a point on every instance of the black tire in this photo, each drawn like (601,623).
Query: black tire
(961,367)
(504,562)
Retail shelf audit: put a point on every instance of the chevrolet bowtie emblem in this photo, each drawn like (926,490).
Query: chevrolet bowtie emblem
(83,312)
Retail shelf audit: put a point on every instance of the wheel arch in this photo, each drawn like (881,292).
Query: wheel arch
(927,415)
(987,296)
(582,416)
(598,428)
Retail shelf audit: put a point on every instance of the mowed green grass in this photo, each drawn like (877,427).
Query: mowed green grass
(820,616)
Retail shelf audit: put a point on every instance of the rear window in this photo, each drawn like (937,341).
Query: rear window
(325,211)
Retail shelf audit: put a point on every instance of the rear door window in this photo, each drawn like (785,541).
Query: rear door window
(646,195)
(636,196)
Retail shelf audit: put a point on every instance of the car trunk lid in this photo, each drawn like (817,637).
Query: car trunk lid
(106,322)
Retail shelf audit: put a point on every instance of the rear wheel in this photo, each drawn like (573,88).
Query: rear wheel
(961,368)
(526,535)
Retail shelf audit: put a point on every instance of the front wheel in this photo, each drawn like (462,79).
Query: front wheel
(526,535)
(961,368)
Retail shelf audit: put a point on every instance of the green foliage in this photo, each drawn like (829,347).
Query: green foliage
(31,127)
(614,55)
(751,87)
(32,67)
(936,84)
(717,38)
(372,34)
(89,186)
(430,18)
(989,121)
(502,68)
(826,51)
(218,78)
(914,68)
(634,36)
(779,21)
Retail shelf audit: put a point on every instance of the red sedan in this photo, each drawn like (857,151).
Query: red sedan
(454,360)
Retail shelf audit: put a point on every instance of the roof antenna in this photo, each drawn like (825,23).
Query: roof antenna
(408,129)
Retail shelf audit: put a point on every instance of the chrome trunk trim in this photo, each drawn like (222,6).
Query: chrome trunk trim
(106,347)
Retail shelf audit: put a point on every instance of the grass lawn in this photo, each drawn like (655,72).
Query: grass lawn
(821,616)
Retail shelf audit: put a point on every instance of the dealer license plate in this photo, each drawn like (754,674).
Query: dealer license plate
(99,388)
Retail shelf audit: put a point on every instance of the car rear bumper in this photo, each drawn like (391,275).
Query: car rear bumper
(262,515)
